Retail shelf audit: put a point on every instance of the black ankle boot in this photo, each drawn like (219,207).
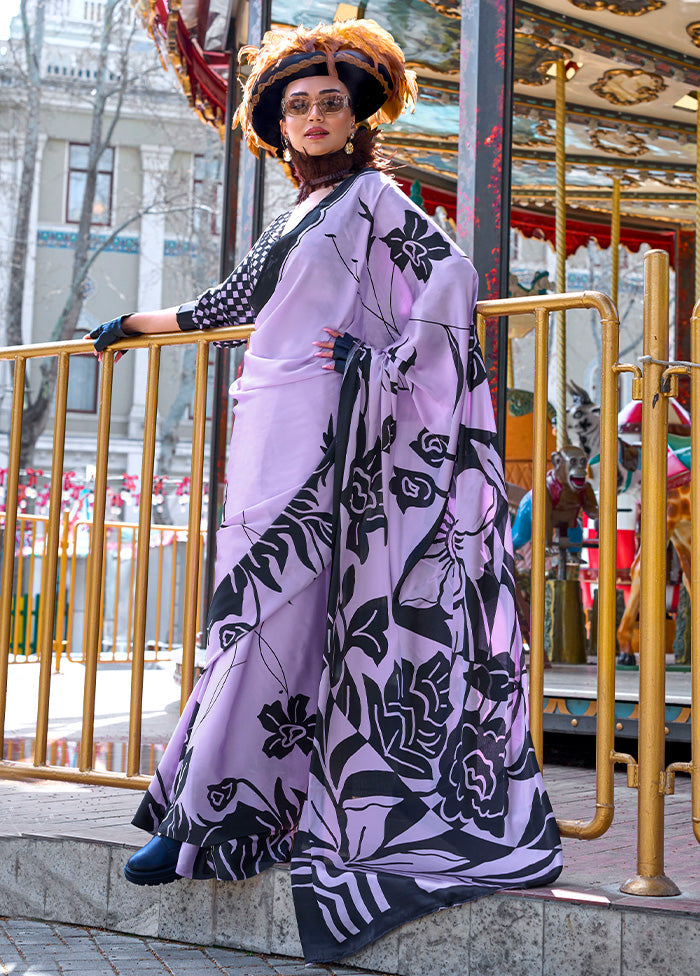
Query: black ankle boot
(155,863)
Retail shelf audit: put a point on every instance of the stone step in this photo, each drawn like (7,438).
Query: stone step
(548,932)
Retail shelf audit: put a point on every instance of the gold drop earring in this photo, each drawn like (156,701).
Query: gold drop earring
(287,154)
(349,147)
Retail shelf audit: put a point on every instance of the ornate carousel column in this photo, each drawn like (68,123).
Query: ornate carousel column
(483,171)
(560,247)
(251,174)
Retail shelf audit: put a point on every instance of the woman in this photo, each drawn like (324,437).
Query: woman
(363,708)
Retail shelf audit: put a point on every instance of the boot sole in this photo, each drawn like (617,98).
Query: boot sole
(151,879)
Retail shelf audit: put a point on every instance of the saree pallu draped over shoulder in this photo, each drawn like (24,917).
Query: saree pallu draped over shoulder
(363,711)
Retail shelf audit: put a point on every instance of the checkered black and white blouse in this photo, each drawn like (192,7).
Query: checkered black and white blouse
(230,302)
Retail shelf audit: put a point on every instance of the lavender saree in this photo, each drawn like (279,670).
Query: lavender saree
(363,711)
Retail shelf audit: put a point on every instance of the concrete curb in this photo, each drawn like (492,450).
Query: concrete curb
(539,933)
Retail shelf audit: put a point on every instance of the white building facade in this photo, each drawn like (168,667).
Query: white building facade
(157,203)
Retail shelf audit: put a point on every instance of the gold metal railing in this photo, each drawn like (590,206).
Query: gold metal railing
(541,307)
(648,772)
(652,384)
(118,602)
(653,780)
(650,878)
(62,351)
(663,383)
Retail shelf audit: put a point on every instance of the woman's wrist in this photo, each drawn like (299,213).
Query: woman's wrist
(150,323)
(126,326)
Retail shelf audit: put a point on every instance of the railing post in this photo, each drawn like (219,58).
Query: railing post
(650,878)
(142,558)
(63,606)
(537,570)
(8,561)
(189,610)
(94,594)
(47,618)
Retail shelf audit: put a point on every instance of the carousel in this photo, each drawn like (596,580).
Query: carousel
(589,158)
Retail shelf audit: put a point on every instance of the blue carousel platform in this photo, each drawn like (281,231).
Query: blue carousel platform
(570,703)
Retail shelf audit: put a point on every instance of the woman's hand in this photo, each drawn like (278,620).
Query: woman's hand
(134,323)
(107,334)
(337,350)
(326,348)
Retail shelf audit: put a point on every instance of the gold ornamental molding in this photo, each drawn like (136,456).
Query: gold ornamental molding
(626,8)
(617,142)
(693,32)
(448,8)
(628,86)
(534,56)
(522,193)
(543,135)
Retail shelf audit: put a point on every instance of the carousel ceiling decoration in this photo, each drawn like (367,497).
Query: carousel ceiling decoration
(534,57)
(693,32)
(626,8)
(616,141)
(622,86)
(532,133)
(450,8)
(630,97)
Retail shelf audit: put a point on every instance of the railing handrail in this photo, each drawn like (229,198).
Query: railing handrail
(108,523)
(568,301)
(82,347)
(541,306)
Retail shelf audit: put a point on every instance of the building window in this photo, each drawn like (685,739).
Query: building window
(82,382)
(77,178)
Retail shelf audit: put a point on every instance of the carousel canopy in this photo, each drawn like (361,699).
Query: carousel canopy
(633,68)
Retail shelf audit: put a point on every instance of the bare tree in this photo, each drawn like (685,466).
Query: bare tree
(109,90)
(33,38)
(117,71)
(113,78)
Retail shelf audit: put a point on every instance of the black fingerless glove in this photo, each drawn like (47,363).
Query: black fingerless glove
(341,348)
(109,332)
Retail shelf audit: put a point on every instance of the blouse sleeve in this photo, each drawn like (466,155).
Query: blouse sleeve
(225,304)
(229,303)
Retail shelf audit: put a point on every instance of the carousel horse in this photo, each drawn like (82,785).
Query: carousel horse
(678,533)
(583,428)
(583,424)
(568,492)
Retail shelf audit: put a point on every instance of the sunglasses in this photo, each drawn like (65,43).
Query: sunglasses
(298,106)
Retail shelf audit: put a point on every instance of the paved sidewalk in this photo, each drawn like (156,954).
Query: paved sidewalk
(49,949)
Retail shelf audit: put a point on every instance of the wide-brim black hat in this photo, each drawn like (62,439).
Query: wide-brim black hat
(363,55)
(369,86)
